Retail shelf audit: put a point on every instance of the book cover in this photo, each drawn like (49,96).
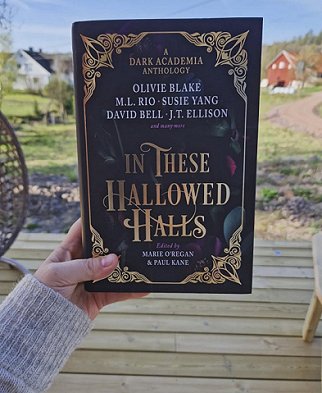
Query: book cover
(167,120)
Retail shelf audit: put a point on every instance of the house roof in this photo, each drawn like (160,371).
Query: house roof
(290,56)
(37,56)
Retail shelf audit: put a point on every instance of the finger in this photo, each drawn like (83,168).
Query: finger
(70,248)
(80,270)
(73,239)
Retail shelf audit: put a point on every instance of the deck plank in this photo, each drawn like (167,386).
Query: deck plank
(201,343)
(194,365)
(210,308)
(197,342)
(76,383)
(205,325)
(265,295)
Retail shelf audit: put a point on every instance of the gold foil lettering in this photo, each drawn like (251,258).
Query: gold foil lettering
(174,189)
(200,230)
(220,193)
(137,163)
(144,225)
(136,225)
(207,199)
(169,163)
(192,193)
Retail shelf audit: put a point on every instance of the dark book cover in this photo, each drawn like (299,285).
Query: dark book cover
(167,120)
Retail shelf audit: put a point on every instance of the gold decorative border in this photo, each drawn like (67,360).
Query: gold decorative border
(229,51)
(223,268)
(98,248)
(99,54)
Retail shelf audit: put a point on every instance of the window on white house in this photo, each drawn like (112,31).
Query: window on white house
(274,66)
(281,65)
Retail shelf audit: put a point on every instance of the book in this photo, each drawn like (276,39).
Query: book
(167,121)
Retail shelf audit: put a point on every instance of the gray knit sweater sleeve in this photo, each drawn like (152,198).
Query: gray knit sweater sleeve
(39,329)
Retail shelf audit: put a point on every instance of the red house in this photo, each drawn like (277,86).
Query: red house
(281,70)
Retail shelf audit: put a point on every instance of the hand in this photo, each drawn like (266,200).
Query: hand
(65,271)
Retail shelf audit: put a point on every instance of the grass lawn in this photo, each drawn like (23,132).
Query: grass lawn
(275,143)
(286,159)
(289,163)
(50,149)
(19,105)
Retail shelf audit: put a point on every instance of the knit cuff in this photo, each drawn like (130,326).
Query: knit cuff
(39,329)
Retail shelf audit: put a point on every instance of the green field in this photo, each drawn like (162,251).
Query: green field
(289,165)
(50,149)
(289,162)
(278,144)
(20,105)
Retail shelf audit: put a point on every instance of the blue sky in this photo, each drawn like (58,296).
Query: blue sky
(46,23)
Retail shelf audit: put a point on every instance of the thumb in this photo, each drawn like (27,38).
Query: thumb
(80,270)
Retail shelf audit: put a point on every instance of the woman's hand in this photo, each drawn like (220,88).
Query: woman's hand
(65,271)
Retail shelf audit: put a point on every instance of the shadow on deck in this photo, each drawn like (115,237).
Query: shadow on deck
(190,343)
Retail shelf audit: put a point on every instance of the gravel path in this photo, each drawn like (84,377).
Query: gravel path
(53,204)
(299,115)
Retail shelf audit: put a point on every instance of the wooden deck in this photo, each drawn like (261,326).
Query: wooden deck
(198,343)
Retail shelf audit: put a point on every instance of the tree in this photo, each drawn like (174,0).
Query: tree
(307,59)
(61,95)
(8,66)
(308,49)
(268,54)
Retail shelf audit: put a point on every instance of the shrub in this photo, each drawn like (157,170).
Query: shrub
(268,194)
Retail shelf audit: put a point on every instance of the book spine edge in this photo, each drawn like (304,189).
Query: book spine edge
(80,128)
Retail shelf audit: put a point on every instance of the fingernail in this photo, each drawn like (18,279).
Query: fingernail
(108,260)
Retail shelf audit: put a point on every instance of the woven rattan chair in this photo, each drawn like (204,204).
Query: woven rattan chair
(13,191)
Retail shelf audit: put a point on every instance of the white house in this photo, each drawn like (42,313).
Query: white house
(62,65)
(34,70)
